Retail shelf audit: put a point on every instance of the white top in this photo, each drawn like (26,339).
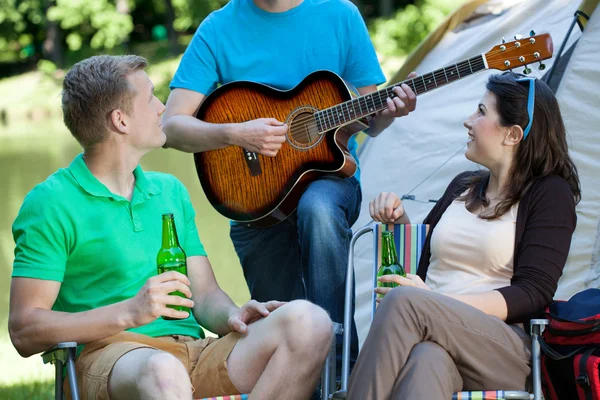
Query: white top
(470,254)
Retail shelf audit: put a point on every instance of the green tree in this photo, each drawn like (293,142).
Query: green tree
(21,27)
(52,48)
(98,21)
(190,13)
(398,35)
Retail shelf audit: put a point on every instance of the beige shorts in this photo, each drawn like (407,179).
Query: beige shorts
(204,359)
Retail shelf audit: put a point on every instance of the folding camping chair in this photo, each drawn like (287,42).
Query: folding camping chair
(409,240)
(63,355)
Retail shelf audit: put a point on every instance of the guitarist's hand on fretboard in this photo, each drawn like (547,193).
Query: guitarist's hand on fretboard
(401,102)
(263,136)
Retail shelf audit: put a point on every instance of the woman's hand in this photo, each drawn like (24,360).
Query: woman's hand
(387,208)
(410,280)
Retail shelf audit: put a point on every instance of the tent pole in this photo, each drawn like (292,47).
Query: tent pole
(564,43)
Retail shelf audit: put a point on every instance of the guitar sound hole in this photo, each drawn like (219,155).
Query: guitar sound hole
(303,131)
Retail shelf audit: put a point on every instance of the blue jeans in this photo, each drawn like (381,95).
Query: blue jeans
(305,256)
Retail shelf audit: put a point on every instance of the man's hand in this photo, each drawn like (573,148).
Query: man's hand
(152,299)
(264,136)
(404,102)
(250,312)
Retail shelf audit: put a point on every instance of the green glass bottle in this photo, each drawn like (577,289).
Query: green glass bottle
(171,256)
(389,260)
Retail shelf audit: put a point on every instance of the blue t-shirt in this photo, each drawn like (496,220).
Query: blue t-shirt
(244,42)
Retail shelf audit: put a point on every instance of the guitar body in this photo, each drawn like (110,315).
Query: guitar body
(261,191)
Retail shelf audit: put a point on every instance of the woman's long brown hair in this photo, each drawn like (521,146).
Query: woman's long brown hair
(543,153)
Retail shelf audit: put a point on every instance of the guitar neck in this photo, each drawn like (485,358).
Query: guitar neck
(369,104)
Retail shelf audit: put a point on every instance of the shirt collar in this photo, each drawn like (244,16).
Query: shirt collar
(93,186)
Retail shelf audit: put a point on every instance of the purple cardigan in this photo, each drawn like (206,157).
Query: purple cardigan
(546,220)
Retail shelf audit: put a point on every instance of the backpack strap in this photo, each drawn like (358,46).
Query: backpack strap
(582,377)
(553,354)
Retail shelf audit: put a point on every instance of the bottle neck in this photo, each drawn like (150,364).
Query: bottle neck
(389,256)
(169,233)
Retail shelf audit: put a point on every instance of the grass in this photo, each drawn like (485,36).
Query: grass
(34,390)
(24,378)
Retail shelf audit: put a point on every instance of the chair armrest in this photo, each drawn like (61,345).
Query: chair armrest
(537,325)
(59,352)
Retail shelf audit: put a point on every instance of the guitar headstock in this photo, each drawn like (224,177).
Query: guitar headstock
(520,52)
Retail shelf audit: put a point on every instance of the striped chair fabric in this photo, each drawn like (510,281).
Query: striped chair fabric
(492,395)
(409,241)
(236,397)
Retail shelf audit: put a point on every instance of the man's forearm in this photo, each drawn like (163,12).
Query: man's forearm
(192,135)
(212,310)
(40,329)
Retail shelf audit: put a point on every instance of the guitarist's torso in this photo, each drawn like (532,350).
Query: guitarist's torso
(241,42)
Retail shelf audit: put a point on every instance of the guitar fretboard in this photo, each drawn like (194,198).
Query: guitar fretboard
(363,106)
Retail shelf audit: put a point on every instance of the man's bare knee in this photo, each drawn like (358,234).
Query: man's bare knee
(163,376)
(305,325)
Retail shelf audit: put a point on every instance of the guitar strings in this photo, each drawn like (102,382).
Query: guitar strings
(304,128)
(362,101)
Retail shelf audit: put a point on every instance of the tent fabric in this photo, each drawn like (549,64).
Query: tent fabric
(420,153)
(579,98)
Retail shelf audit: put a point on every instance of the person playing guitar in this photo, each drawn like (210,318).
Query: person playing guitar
(279,43)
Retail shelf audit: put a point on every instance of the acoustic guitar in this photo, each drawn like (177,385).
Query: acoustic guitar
(322,112)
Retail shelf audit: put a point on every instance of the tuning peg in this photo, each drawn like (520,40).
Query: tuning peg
(542,66)
(503,40)
(518,36)
(532,33)
(527,70)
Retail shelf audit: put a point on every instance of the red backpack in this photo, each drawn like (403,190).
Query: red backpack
(571,348)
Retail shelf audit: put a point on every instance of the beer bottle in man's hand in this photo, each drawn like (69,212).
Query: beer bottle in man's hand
(171,256)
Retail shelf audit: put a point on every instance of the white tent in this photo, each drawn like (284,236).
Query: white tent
(421,153)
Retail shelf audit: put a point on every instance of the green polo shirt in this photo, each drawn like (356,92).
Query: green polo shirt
(101,246)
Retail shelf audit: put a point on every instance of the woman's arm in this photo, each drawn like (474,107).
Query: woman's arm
(542,252)
(388,209)
(491,303)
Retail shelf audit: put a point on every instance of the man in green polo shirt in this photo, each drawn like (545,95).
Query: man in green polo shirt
(85,267)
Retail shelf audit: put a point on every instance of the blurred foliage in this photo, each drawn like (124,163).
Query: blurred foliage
(399,34)
(98,21)
(98,24)
(21,22)
(189,14)
(64,31)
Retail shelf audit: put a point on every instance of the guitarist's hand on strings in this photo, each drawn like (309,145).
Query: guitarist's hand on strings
(264,136)
(404,102)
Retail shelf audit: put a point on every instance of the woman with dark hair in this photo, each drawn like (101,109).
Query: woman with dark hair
(497,245)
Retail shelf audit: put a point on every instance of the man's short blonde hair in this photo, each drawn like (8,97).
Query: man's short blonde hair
(92,89)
